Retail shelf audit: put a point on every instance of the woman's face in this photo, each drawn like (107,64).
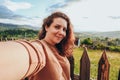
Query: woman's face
(56,31)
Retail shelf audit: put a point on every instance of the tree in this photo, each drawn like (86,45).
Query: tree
(87,41)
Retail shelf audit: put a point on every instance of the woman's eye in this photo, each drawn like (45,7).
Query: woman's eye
(64,29)
(57,27)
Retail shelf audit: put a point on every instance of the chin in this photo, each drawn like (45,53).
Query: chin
(57,41)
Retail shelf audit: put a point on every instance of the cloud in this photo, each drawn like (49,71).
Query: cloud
(59,5)
(95,15)
(8,16)
(5,12)
(114,17)
(16,6)
(35,22)
(55,6)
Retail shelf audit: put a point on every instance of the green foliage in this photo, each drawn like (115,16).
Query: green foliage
(20,33)
(115,48)
(102,44)
(111,43)
(87,41)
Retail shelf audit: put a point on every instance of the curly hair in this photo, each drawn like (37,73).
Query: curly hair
(65,47)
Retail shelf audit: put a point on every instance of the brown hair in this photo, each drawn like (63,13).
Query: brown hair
(66,45)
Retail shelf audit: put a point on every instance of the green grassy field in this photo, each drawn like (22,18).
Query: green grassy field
(94,56)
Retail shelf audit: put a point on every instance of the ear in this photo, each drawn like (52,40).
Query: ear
(46,28)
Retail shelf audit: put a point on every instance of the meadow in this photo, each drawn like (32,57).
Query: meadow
(94,56)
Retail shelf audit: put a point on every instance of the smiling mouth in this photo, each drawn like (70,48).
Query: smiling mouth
(60,38)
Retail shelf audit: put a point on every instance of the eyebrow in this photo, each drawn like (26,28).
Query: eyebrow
(61,25)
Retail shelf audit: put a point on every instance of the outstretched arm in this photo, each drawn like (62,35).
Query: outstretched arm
(19,59)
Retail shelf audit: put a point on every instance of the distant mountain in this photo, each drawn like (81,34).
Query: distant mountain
(4,26)
(110,34)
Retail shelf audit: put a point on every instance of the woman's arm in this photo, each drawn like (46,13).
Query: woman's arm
(19,59)
(14,61)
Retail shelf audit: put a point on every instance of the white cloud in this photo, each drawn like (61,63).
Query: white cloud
(35,22)
(86,15)
(90,15)
(16,5)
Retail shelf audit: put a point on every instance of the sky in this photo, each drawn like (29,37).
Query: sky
(85,15)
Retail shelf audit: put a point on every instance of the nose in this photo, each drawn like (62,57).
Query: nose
(62,32)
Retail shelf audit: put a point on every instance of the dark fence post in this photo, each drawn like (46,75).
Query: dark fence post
(119,75)
(84,66)
(103,68)
(71,60)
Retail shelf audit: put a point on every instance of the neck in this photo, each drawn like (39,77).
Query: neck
(48,42)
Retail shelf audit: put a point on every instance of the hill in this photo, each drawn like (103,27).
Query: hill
(110,34)
(7,26)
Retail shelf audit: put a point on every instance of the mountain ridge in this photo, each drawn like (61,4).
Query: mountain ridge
(110,34)
(4,26)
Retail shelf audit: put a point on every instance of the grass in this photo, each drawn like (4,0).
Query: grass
(94,56)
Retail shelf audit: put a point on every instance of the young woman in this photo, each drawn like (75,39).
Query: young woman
(43,59)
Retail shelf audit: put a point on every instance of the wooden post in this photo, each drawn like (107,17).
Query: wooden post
(84,66)
(119,75)
(71,60)
(103,68)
